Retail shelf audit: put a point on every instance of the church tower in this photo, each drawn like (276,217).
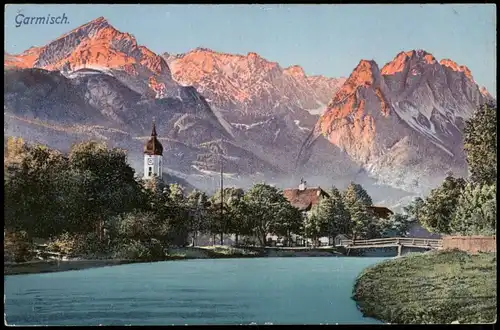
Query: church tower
(153,155)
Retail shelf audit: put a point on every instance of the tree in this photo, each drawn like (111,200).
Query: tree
(291,222)
(154,185)
(396,225)
(268,210)
(16,149)
(440,206)
(107,186)
(237,211)
(314,225)
(356,201)
(355,192)
(141,226)
(174,211)
(335,213)
(362,220)
(221,217)
(476,211)
(480,144)
(414,208)
(33,198)
(198,206)
(17,246)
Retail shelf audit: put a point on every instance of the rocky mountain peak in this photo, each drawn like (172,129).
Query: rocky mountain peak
(409,58)
(253,55)
(416,104)
(99,22)
(96,45)
(366,72)
(295,70)
(250,82)
(457,68)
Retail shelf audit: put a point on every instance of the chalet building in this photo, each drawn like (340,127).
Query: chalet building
(304,198)
(381,212)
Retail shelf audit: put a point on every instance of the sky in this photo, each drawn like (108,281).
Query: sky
(323,39)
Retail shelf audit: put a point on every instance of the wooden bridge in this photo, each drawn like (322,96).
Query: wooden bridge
(398,242)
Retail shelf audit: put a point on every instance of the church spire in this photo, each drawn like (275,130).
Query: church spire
(153,146)
(153,132)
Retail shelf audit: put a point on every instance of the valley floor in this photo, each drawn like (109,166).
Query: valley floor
(435,287)
(208,252)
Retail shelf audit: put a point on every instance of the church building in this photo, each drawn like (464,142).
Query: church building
(153,155)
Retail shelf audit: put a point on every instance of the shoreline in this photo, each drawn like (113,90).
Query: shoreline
(188,253)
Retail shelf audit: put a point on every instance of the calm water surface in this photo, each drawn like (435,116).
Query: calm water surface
(224,291)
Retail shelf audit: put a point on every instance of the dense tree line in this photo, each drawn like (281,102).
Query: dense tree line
(90,202)
(467,206)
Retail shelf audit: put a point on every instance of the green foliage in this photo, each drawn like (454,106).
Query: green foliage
(71,198)
(17,247)
(289,221)
(314,225)
(329,218)
(237,212)
(476,211)
(396,225)
(175,212)
(64,243)
(455,207)
(356,193)
(414,208)
(269,211)
(140,250)
(198,209)
(107,185)
(336,214)
(139,225)
(227,212)
(31,192)
(154,186)
(87,245)
(480,144)
(439,208)
(362,221)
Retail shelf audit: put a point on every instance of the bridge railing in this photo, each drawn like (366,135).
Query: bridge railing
(408,241)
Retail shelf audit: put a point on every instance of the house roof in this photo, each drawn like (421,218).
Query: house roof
(304,199)
(381,211)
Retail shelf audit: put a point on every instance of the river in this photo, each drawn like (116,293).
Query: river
(219,291)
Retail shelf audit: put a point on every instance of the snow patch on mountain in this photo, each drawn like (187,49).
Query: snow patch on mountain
(222,120)
(305,129)
(319,110)
(410,117)
(249,126)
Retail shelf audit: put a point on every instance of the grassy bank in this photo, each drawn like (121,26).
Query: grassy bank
(208,252)
(435,287)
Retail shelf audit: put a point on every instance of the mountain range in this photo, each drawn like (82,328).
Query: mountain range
(400,125)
